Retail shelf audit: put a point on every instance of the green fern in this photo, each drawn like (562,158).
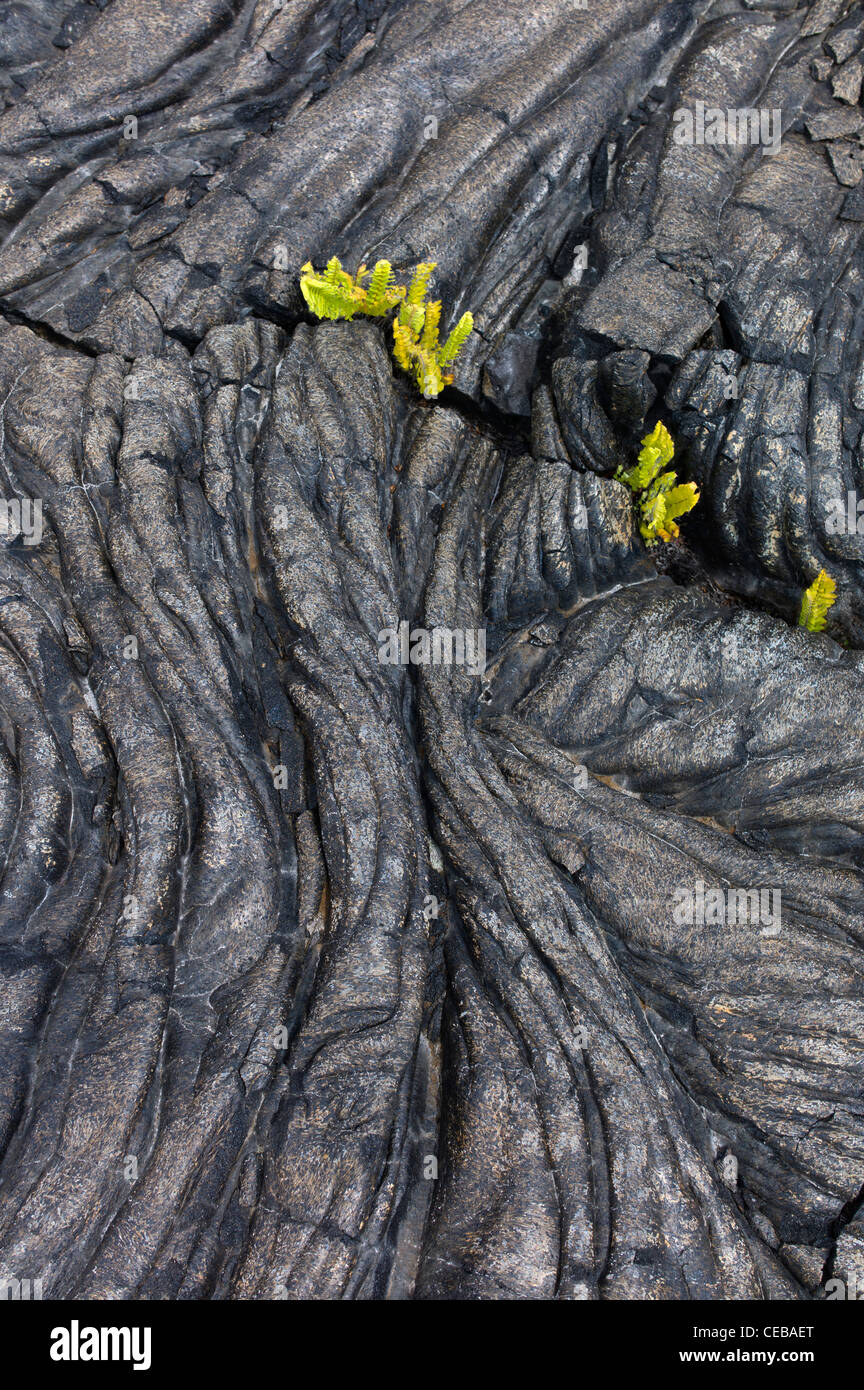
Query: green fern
(419,282)
(416,347)
(415,335)
(456,341)
(383,294)
(657,450)
(431,323)
(679,501)
(334,294)
(816,601)
(660,497)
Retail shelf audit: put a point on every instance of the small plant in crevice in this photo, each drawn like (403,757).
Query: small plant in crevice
(415,335)
(816,601)
(335,294)
(660,497)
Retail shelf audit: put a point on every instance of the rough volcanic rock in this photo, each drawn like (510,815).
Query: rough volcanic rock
(413,148)
(735,270)
(335,963)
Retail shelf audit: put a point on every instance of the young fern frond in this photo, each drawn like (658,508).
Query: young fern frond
(456,340)
(427,357)
(657,450)
(326,302)
(381,277)
(662,504)
(412,316)
(331,295)
(657,444)
(414,355)
(335,275)
(430,325)
(653,518)
(660,497)
(419,282)
(383,295)
(816,601)
(335,294)
(402,344)
(429,377)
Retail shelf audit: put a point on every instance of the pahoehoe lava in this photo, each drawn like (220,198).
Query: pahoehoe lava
(330,976)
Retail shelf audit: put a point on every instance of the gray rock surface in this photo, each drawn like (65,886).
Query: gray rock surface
(328,975)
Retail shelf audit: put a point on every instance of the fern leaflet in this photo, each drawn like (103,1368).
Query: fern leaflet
(816,601)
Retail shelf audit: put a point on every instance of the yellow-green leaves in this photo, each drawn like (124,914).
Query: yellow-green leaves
(816,601)
(456,340)
(416,294)
(415,336)
(657,450)
(336,295)
(660,497)
(384,293)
